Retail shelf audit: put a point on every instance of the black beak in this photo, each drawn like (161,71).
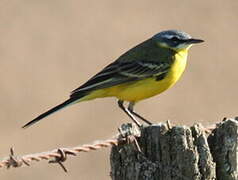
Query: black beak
(194,41)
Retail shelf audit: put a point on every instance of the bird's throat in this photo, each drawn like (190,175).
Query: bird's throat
(179,65)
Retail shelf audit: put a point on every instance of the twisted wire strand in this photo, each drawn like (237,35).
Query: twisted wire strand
(58,155)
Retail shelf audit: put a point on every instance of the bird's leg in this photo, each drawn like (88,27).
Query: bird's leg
(120,104)
(131,110)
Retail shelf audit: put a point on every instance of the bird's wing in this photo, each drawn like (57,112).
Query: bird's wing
(123,72)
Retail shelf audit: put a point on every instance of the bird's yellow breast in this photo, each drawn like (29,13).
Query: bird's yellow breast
(142,89)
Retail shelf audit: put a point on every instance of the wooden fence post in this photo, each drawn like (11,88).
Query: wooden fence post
(179,153)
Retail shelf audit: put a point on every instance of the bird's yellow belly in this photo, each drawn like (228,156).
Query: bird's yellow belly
(142,89)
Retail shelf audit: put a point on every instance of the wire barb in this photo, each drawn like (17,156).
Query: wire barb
(61,159)
(13,160)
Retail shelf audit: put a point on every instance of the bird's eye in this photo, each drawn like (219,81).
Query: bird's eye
(175,38)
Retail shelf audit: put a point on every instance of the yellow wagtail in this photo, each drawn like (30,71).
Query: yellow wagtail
(142,72)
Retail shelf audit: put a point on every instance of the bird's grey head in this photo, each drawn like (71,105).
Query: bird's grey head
(175,39)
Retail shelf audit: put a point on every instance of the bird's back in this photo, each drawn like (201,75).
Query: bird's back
(148,51)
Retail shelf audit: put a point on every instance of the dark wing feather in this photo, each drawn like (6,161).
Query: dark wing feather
(122,72)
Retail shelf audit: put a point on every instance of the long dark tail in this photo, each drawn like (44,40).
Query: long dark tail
(51,111)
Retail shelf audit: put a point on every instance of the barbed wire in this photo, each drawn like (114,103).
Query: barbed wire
(127,134)
(55,156)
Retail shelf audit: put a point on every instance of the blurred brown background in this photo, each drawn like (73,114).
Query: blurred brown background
(48,48)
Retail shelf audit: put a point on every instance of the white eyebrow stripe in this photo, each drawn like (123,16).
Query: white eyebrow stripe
(168,36)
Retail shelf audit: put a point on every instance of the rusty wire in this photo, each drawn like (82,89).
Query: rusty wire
(55,156)
(127,134)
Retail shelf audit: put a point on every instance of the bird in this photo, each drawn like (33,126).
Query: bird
(144,71)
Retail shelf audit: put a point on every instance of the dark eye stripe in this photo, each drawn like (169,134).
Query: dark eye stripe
(178,40)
